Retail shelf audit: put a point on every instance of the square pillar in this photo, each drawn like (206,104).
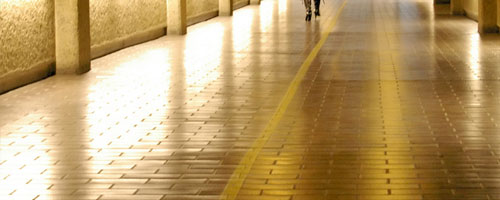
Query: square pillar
(457,7)
(176,17)
(487,16)
(225,7)
(72,24)
(254,2)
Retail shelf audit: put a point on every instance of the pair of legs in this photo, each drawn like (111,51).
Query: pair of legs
(308,3)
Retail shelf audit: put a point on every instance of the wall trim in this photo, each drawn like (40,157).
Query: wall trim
(441,1)
(240,4)
(19,78)
(127,41)
(471,15)
(202,17)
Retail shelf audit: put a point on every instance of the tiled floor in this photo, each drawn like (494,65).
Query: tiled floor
(402,102)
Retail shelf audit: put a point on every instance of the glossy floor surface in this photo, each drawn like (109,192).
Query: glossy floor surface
(401,102)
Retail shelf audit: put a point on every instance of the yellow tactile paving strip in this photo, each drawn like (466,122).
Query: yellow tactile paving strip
(241,172)
(401,102)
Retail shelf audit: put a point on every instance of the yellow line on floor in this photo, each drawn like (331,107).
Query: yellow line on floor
(240,173)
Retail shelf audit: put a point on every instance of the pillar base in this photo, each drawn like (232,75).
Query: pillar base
(488,30)
(487,16)
(176,32)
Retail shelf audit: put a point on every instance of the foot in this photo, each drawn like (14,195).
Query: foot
(308,16)
(316,13)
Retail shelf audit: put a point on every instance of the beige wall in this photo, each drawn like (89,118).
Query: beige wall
(113,22)
(471,8)
(27,36)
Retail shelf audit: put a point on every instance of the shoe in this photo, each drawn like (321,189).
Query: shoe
(308,16)
(316,13)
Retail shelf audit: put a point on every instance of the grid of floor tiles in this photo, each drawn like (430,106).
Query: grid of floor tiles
(401,103)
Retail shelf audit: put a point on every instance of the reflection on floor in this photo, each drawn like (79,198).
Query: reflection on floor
(400,103)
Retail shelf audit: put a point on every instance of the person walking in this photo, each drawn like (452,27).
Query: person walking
(308,3)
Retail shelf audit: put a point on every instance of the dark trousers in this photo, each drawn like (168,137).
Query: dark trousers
(308,4)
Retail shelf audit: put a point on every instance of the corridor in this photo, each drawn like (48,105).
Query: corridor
(374,100)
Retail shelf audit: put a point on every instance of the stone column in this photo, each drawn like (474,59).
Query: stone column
(176,17)
(225,7)
(254,2)
(487,16)
(457,7)
(72,25)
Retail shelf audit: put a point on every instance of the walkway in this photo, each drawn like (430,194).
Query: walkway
(401,102)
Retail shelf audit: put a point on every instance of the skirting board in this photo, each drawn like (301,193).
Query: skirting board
(20,78)
(127,41)
(470,15)
(202,17)
(441,1)
(240,4)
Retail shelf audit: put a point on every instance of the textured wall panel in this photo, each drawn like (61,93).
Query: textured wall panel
(113,19)
(199,7)
(27,34)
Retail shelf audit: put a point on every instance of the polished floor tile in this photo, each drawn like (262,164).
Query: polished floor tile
(400,103)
